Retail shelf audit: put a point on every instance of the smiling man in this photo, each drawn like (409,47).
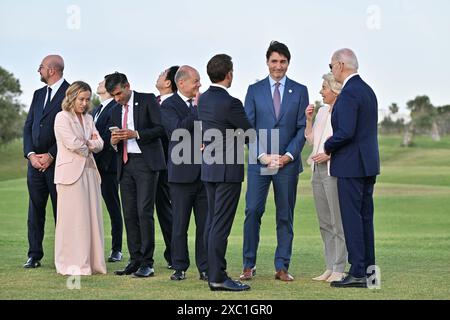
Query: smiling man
(275,104)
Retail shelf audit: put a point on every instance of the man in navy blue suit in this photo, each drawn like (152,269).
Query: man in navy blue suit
(107,166)
(187,192)
(277,105)
(355,162)
(220,112)
(39,147)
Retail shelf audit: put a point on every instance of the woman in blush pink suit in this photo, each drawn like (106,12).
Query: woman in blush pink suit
(79,248)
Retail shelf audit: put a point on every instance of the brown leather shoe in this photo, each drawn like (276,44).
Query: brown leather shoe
(283,275)
(248,274)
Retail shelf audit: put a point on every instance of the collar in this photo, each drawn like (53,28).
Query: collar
(56,85)
(130,102)
(185,99)
(106,102)
(165,96)
(348,78)
(282,81)
(219,86)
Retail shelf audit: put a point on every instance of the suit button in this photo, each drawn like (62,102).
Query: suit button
(41,125)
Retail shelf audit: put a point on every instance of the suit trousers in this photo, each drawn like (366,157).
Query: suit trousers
(164,212)
(138,189)
(356,202)
(40,186)
(326,199)
(110,194)
(223,199)
(285,192)
(185,198)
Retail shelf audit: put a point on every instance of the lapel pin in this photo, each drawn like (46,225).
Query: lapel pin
(290,90)
(136,103)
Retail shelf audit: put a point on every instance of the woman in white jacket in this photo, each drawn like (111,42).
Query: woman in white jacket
(324,186)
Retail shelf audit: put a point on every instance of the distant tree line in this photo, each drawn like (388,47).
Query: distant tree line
(426,119)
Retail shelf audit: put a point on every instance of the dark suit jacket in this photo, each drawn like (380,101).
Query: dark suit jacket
(147,121)
(291,122)
(218,110)
(177,115)
(38,131)
(354,144)
(105,159)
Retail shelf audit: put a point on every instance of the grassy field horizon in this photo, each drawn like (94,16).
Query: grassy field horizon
(412,234)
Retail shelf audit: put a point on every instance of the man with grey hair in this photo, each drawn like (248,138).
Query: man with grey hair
(355,162)
(187,191)
(39,147)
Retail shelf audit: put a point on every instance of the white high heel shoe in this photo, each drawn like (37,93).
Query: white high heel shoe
(335,276)
(324,276)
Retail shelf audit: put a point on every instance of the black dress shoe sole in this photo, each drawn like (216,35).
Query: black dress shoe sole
(348,285)
(142,275)
(32,266)
(113,260)
(228,289)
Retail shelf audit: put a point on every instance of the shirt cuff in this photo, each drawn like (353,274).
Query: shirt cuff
(289,155)
(137,134)
(30,153)
(261,155)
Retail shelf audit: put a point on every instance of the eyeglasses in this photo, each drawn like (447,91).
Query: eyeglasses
(41,67)
(331,65)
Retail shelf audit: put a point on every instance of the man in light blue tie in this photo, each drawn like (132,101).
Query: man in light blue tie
(277,105)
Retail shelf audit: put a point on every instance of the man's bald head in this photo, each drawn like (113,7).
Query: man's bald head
(188,81)
(51,69)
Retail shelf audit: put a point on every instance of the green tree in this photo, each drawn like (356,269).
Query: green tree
(12,115)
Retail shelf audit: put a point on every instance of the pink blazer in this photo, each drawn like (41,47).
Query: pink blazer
(74,146)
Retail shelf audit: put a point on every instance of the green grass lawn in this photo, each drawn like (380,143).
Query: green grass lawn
(412,230)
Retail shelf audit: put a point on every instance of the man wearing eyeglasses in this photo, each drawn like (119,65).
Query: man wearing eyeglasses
(355,162)
(39,147)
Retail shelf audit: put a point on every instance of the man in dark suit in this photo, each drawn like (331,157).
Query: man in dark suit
(139,159)
(186,189)
(167,87)
(355,162)
(107,166)
(218,110)
(39,147)
(277,105)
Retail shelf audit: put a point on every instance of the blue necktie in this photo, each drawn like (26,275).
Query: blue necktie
(49,97)
(277,100)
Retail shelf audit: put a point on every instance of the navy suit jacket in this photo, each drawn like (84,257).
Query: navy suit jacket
(291,122)
(106,159)
(177,115)
(354,144)
(218,110)
(38,131)
(147,121)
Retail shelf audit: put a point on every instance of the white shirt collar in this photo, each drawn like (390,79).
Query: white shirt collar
(106,102)
(56,86)
(282,81)
(219,86)
(185,99)
(165,96)
(348,78)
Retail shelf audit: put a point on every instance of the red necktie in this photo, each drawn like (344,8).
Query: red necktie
(124,126)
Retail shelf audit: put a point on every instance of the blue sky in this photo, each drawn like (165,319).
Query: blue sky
(403,46)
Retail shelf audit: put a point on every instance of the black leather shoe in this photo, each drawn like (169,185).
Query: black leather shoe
(350,282)
(229,285)
(178,275)
(32,263)
(203,276)
(144,272)
(169,266)
(129,269)
(115,256)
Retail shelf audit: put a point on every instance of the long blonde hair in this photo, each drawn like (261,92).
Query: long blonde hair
(72,93)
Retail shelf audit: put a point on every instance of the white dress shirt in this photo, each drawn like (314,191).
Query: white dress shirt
(132,146)
(103,105)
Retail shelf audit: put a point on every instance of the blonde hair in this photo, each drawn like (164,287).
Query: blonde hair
(335,86)
(72,93)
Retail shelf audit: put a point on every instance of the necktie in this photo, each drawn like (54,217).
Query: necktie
(277,100)
(124,126)
(190,103)
(49,97)
(158,99)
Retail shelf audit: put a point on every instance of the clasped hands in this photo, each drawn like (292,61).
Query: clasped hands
(122,134)
(320,158)
(40,161)
(275,161)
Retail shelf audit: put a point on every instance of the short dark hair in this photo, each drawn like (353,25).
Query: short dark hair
(171,77)
(218,67)
(280,48)
(113,80)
